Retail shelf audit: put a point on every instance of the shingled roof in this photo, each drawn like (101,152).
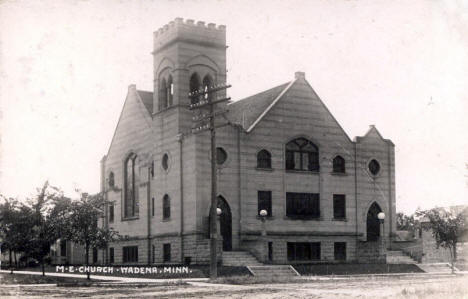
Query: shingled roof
(147,99)
(246,111)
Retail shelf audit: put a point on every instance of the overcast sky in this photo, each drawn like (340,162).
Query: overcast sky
(65,67)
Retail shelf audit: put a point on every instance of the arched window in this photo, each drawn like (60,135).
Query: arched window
(373,223)
(162,94)
(165,162)
(301,154)
(130,186)
(208,84)
(339,165)
(194,86)
(166,207)
(111,179)
(170,91)
(263,159)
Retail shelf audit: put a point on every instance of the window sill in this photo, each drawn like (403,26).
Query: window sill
(339,173)
(303,171)
(166,219)
(340,219)
(267,217)
(305,261)
(264,169)
(130,218)
(303,218)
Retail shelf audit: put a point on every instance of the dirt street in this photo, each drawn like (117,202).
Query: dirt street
(384,287)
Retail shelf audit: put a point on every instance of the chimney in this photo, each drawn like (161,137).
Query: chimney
(299,75)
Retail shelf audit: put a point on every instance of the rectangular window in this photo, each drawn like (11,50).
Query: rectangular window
(63,248)
(167,252)
(152,206)
(297,161)
(130,254)
(339,206)
(264,202)
(302,205)
(340,251)
(95,255)
(111,255)
(111,213)
(290,160)
(302,251)
(270,251)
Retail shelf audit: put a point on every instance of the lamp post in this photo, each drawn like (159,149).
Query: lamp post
(263,214)
(218,224)
(381,217)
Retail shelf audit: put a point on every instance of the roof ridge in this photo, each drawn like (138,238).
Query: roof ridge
(271,105)
(259,93)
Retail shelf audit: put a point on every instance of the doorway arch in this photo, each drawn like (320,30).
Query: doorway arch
(373,223)
(225,223)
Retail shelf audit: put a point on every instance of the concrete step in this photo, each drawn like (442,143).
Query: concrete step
(239,258)
(273,271)
(436,268)
(395,253)
(398,257)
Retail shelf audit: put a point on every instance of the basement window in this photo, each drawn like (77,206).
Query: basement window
(167,252)
(130,254)
(303,251)
(340,251)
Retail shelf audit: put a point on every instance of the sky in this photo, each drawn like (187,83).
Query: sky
(65,67)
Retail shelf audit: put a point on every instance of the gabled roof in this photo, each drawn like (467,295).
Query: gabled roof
(373,129)
(249,111)
(147,99)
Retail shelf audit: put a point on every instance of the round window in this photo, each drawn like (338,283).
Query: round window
(374,167)
(221,155)
(165,162)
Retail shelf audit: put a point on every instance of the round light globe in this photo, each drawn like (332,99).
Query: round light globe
(381,216)
(263,213)
(218,211)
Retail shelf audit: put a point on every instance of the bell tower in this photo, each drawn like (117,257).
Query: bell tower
(186,56)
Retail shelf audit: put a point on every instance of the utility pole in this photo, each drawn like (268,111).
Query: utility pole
(204,99)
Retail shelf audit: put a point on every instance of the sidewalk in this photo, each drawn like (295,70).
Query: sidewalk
(205,281)
(114,279)
(383,275)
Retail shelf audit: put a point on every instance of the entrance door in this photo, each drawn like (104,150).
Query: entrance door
(373,223)
(225,223)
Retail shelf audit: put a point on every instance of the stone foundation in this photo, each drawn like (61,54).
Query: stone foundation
(370,252)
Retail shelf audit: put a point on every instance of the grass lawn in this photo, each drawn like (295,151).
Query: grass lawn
(350,269)
(203,271)
(196,271)
(36,279)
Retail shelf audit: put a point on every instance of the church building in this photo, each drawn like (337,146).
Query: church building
(280,150)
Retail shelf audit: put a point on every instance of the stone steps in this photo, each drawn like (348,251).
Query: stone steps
(273,271)
(398,257)
(436,268)
(239,258)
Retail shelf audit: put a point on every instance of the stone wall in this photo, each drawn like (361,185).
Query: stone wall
(370,252)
